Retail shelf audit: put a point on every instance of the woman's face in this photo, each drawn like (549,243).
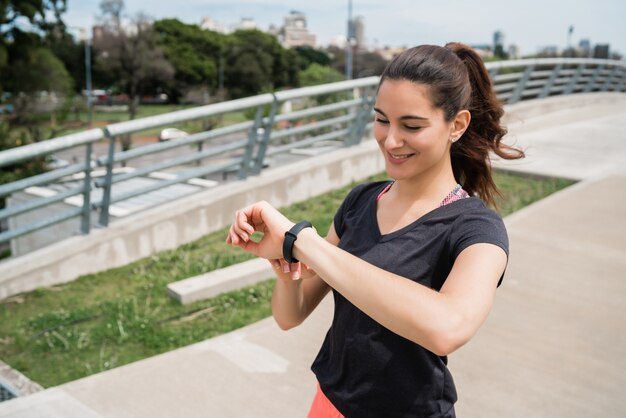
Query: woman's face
(412,135)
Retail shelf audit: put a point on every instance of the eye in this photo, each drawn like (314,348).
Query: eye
(413,128)
(383,121)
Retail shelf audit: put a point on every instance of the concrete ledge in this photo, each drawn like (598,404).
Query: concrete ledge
(16,382)
(576,105)
(220,281)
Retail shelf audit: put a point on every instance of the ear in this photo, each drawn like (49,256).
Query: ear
(460,123)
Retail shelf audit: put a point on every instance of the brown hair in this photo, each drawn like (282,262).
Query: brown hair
(457,79)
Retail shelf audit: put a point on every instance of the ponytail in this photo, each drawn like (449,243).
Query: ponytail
(470,154)
(458,80)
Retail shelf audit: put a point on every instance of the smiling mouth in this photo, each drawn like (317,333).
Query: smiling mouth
(399,157)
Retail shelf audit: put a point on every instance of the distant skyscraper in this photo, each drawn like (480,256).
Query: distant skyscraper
(295,33)
(498,43)
(585,47)
(601,51)
(359,32)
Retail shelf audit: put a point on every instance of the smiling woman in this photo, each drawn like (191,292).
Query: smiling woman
(412,134)
(413,263)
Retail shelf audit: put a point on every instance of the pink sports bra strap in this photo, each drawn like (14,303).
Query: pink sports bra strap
(457,194)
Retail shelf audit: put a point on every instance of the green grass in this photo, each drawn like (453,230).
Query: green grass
(105,320)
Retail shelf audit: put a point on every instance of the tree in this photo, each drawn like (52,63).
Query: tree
(24,58)
(316,74)
(368,64)
(52,93)
(23,61)
(256,62)
(36,13)
(308,56)
(71,54)
(132,55)
(193,52)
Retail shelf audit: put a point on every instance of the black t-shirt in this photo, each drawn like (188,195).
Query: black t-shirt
(365,369)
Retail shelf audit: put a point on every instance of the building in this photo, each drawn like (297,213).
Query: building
(246,23)
(513,52)
(207,23)
(498,43)
(295,32)
(601,51)
(584,47)
(358,29)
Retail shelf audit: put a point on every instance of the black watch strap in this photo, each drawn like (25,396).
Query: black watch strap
(290,238)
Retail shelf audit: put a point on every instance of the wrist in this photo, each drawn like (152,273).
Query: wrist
(291,237)
(305,239)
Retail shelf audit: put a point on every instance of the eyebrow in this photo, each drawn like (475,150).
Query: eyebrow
(402,117)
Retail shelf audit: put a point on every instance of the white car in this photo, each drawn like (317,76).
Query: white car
(171,133)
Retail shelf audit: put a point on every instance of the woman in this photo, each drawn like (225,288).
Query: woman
(413,263)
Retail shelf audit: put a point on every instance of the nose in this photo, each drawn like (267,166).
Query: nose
(393,139)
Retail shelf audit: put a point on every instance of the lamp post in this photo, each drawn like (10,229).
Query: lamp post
(87,42)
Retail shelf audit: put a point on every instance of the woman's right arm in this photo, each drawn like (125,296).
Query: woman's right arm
(294,300)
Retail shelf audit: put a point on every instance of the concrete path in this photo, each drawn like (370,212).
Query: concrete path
(553,346)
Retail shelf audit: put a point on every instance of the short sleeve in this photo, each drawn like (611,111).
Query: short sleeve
(338,220)
(475,227)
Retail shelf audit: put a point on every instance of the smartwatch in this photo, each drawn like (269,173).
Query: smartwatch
(290,238)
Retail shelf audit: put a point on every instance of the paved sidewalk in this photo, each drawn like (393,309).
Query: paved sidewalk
(552,347)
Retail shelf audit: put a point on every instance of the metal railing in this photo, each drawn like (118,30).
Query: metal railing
(539,78)
(337,112)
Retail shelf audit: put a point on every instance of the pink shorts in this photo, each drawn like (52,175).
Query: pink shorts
(322,407)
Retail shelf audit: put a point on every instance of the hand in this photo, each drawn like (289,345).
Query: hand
(260,217)
(294,271)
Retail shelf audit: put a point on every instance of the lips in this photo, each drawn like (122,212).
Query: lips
(398,158)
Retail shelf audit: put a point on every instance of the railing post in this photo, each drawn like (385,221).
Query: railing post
(521,84)
(572,83)
(622,84)
(85,224)
(257,162)
(609,79)
(590,85)
(493,72)
(108,181)
(360,120)
(550,82)
(246,160)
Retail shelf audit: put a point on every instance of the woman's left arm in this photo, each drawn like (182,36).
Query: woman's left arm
(439,321)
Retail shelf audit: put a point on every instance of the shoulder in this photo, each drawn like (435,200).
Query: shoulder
(477,223)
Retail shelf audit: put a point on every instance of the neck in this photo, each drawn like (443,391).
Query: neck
(433,185)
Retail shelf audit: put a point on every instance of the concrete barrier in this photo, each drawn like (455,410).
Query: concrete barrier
(220,281)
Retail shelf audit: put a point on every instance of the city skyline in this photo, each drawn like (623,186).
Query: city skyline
(405,22)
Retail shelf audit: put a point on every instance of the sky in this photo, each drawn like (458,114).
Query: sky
(529,24)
